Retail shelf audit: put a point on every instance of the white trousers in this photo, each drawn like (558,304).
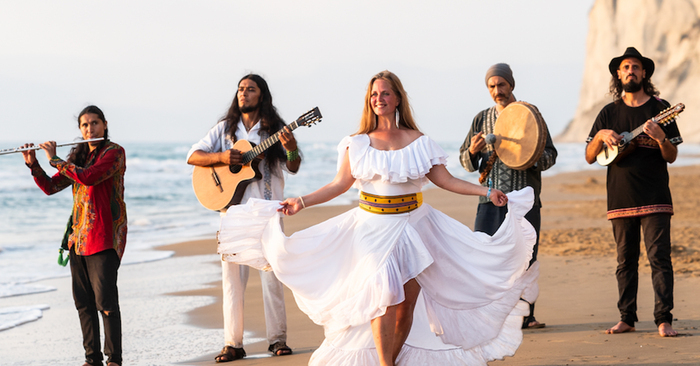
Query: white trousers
(234,281)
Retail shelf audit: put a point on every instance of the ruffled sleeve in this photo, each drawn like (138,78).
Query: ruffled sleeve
(396,166)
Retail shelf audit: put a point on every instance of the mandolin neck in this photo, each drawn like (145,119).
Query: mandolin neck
(636,132)
(660,118)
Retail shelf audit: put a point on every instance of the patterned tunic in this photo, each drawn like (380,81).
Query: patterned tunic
(99,211)
(501,176)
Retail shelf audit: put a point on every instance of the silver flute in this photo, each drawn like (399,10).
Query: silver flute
(20,149)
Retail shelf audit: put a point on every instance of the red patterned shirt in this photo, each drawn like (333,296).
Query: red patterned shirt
(99,211)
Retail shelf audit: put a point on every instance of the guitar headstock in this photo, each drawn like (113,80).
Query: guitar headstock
(309,118)
(670,113)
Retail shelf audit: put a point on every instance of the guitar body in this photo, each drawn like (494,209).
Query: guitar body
(607,156)
(219,186)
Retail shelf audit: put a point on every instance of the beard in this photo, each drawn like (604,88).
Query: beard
(631,86)
(502,99)
(250,108)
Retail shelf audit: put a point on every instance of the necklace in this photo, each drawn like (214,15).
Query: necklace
(247,129)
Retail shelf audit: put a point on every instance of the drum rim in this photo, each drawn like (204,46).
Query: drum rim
(541,141)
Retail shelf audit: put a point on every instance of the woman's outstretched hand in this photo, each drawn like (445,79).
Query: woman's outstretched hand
(498,198)
(290,206)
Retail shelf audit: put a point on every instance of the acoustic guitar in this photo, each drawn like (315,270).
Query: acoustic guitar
(219,186)
(607,156)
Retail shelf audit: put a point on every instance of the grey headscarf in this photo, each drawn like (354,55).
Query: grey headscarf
(502,70)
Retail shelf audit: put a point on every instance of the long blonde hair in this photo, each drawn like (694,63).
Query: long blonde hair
(368,123)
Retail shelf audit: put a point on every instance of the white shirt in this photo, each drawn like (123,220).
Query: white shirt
(217,140)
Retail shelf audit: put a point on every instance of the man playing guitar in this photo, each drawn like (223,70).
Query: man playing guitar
(638,191)
(251,117)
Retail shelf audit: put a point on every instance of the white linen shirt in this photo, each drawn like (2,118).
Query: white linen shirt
(217,140)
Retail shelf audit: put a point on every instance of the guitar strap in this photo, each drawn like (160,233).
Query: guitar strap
(227,143)
(267,177)
(663,105)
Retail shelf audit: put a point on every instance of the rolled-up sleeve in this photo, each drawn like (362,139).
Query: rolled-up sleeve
(549,155)
(468,161)
(209,143)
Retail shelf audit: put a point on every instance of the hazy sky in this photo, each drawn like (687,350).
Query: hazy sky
(167,70)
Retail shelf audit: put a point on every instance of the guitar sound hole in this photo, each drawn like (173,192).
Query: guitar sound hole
(235,168)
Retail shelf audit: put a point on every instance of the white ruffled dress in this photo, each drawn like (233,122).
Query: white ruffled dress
(349,269)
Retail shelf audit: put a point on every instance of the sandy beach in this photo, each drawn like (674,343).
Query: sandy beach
(172,308)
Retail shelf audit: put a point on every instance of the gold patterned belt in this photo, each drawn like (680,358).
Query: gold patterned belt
(390,204)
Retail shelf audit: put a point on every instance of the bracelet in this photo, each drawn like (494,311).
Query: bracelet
(302,201)
(293,155)
(488,194)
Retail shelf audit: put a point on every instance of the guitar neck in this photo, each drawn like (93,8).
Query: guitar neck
(260,148)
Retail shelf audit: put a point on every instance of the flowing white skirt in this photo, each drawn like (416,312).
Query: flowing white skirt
(349,269)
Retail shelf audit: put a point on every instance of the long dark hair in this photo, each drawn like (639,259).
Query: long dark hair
(79,153)
(616,88)
(270,120)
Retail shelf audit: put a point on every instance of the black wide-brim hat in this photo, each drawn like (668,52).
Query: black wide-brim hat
(647,63)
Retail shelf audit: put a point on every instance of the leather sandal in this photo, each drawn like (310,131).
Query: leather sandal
(529,322)
(229,354)
(280,349)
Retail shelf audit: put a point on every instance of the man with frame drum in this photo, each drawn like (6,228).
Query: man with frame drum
(642,175)
(477,154)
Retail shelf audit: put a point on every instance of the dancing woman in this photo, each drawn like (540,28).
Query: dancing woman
(364,274)
(96,234)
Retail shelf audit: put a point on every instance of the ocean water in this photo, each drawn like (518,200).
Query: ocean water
(161,208)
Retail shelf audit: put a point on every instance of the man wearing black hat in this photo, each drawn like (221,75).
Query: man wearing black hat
(637,184)
(475,154)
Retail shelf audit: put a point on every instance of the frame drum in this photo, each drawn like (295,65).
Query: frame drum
(521,135)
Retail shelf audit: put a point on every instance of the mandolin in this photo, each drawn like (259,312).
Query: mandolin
(607,156)
(219,186)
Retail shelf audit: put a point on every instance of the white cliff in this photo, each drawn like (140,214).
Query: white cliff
(668,32)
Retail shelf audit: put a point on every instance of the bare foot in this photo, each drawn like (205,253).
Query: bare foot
(621,327)
(666,330)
